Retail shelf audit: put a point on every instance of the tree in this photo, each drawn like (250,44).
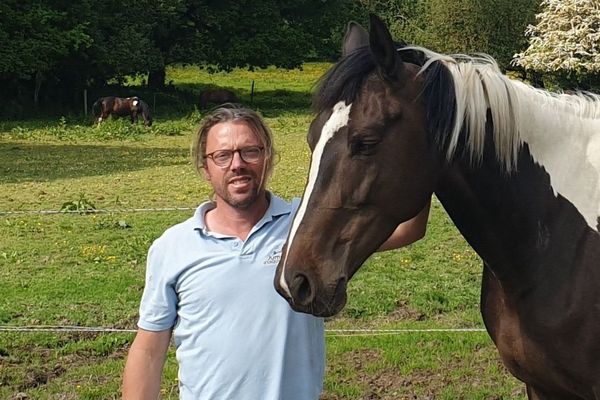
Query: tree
(55,48)
(494,27)
(216,34)
(565,40)
(254,33)
(35,38)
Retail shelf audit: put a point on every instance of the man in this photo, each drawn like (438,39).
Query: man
(209,282)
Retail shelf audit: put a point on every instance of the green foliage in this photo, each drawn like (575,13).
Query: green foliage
(563,43)
(268,32)
(493,27)
(52,50)
(81,206)
(36,37)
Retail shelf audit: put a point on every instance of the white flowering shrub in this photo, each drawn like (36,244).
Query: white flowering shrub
(566,38)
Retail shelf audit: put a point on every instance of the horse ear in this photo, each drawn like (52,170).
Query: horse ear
(384,49)
(356,36)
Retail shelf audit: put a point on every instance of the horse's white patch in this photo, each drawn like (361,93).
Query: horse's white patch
(338,119)
(564,139)
(135,103)
(99,119)
(562,131)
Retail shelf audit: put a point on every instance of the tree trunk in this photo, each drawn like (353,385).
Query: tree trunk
(156,78)
(39,78)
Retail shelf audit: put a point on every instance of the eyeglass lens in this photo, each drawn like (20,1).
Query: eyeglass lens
(224,157)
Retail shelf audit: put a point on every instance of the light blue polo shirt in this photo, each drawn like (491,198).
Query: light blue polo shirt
(236,338)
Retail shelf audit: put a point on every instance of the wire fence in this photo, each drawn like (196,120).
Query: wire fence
(97,211)
(90,329)
(328,332)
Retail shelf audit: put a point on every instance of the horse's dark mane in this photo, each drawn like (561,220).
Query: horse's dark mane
(440,99)
(461,95)
(343,82)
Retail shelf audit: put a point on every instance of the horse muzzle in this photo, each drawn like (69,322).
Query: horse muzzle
(309,296)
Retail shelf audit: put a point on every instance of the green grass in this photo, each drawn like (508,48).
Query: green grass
(88,269)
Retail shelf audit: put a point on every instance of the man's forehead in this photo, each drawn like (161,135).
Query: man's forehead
(224,129)
(226,132)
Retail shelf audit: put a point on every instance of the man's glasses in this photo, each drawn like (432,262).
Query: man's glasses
(249,155)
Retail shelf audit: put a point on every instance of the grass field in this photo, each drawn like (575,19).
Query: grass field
(83,269)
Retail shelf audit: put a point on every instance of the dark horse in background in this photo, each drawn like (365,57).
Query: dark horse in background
(216,97)
(516,168)
(120,107)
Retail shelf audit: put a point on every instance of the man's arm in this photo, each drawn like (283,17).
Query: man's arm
(409,231)
(143,369)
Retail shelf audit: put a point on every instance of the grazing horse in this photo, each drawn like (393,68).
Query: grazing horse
(120,107)
(217,96)
(516,168)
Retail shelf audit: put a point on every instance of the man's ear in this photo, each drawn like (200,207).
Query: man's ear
(205,173)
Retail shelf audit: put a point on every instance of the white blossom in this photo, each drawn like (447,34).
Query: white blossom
(566,38)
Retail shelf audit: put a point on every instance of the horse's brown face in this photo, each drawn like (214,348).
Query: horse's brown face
(371,169)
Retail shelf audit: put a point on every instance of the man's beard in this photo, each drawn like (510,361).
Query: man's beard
(244,203)
(248,200)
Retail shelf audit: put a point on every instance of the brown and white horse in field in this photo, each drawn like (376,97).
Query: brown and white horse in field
(120,107)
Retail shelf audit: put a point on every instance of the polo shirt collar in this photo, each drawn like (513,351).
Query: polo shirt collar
(277,207)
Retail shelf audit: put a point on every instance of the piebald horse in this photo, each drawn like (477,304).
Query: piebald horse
(516,168)
(120,107)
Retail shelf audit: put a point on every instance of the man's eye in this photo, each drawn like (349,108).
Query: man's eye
(251,152)
(221,156)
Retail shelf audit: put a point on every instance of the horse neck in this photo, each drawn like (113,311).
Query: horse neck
(480,211)
(543,209)
(562,134)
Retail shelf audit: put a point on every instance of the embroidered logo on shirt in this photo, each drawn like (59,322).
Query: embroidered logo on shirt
(273,258)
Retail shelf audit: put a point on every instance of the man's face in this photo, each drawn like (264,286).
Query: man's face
(240,183)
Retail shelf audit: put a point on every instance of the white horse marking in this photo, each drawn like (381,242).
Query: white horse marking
(562,131)
(566,145)
(338,119)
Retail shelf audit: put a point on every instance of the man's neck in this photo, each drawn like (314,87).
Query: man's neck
(229,220)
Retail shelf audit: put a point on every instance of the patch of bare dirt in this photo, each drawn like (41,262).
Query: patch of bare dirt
(43,365)
(386,384)
(405,313)
(391,384)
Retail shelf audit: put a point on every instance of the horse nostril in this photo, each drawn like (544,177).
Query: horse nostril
(301,290)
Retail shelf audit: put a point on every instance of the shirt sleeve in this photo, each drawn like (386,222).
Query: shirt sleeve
(158,307)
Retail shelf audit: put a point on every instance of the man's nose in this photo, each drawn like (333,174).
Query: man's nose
(237,161)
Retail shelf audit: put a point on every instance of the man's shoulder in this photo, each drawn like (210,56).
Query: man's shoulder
(282,206)
(178,233)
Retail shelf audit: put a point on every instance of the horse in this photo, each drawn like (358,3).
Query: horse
(217,96)
(516,169)
(120,107)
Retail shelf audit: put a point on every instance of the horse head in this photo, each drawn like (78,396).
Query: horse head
(369,130)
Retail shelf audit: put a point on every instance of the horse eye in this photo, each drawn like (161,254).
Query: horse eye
(363,147)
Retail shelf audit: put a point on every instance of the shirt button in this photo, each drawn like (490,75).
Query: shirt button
(236,244)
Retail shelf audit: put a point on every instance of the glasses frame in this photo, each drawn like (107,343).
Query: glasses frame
(232,152)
